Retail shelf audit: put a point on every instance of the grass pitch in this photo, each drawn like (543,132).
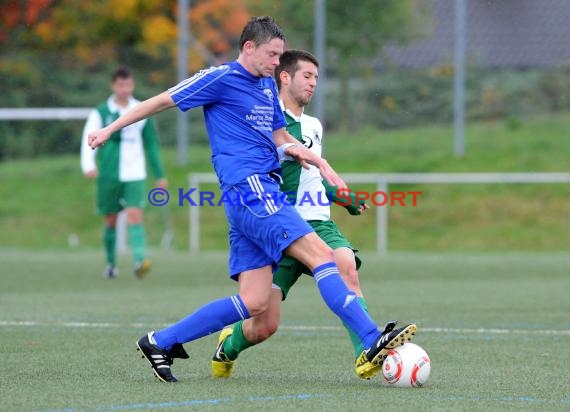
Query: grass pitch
(496,328)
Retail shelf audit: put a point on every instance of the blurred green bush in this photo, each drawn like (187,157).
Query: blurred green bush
(390,99)
(402,98)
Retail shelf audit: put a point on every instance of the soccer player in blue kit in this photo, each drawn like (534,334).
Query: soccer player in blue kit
(246,129)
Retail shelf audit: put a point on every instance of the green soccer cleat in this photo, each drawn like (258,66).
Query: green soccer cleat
(370,361)
(222,367)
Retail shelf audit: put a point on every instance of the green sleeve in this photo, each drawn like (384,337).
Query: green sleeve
(349,205)
(152,148)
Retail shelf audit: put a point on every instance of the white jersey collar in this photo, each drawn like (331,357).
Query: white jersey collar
(115,108)
(290,113)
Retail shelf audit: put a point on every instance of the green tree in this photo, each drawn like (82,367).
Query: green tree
(355,33)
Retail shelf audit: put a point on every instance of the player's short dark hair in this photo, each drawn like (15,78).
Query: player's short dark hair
(289,62)
(121,73)
(260,30)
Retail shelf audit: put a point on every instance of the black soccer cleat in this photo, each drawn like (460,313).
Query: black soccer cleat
(389,339)
(160,359)
(177,351)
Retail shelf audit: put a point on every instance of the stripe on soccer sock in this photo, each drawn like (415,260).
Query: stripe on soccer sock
(325,273)
(238,307)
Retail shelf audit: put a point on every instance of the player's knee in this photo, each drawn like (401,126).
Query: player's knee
(350,277)
(256,306)
(134,216)
(257,300)
(262,327)
(266,331)
(323,251)
(111,221)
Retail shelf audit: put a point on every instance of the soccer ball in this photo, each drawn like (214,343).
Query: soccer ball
(407,366)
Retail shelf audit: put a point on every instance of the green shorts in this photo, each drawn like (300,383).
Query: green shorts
(290,269)
(114,196)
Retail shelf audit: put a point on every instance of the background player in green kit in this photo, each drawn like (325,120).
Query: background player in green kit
(296,78)
(121,174)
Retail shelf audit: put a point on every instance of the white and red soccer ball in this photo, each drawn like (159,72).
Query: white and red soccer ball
(407,366)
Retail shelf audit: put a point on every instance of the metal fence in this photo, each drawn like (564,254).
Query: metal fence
(382,183)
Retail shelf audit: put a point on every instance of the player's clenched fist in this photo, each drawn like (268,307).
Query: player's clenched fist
(97,138)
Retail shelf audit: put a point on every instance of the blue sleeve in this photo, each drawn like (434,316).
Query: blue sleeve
(201,89)
(278,116)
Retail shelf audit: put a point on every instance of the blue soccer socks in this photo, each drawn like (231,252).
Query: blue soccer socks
(354,339)
(210,318)
(344,303)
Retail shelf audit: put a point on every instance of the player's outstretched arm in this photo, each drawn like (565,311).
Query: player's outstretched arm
(141,111)
(305,157)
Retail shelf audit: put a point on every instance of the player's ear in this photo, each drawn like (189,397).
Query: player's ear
(284,77)
(248,47)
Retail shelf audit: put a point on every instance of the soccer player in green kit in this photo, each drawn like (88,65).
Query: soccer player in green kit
(121,174)
(296,78)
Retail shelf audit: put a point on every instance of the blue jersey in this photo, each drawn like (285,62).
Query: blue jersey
(241,112)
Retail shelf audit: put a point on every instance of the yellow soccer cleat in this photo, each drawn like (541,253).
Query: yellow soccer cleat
(364,368)
(222,367)
(142,268)
(370,361)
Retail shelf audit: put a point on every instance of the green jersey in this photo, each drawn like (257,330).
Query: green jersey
(122,157)
(305,187)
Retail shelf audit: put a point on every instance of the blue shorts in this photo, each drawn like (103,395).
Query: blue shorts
(262,225)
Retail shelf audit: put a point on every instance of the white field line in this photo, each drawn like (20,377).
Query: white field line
(297,328)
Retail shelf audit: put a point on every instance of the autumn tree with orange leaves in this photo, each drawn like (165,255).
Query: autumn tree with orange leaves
(92,31)
(61,52)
